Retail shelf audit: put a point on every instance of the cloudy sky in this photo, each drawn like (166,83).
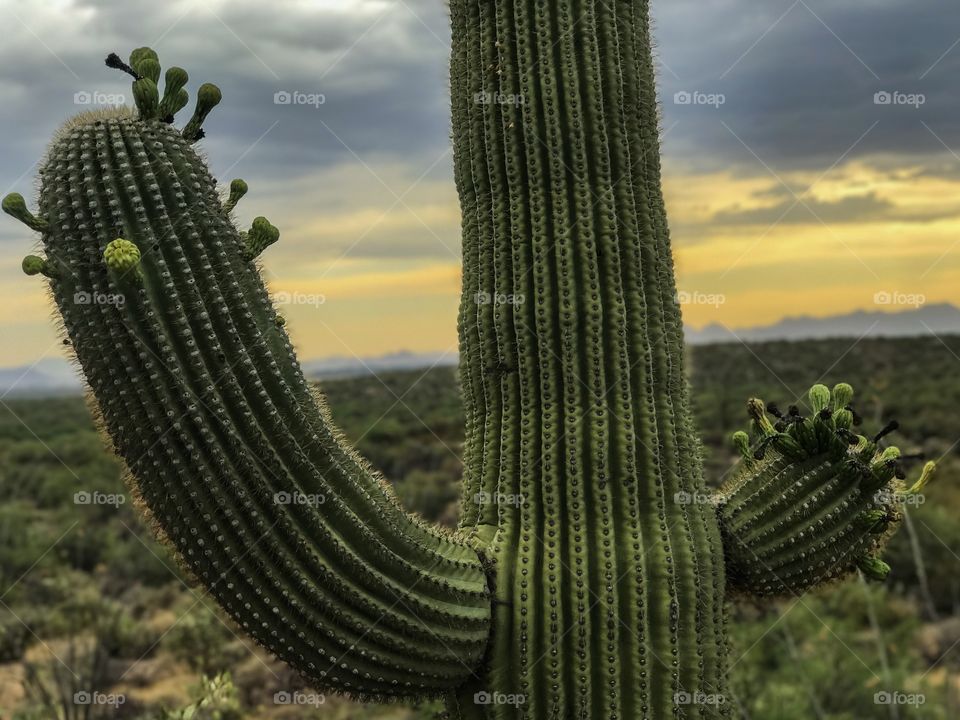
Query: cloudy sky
(811,151)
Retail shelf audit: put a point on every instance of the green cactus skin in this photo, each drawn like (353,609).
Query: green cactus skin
(811,502)
(198,387)
(611,591)
(259,237)
(590,574)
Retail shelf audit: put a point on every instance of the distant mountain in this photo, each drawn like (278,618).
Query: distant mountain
(54,376)
(942,319)
(50,376)
(351,366)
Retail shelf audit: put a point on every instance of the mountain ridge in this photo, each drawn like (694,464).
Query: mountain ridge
(57,376)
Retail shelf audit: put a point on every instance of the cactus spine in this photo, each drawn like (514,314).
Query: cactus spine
(589,576)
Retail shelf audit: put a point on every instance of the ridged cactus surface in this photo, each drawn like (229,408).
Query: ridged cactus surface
(610,591)
(812,500)
(198,387)
(590,575)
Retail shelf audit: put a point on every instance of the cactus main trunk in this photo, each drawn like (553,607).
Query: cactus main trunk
(579,445)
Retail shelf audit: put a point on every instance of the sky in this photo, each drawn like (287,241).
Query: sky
(811,151)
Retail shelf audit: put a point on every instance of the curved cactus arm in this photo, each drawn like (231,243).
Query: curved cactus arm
(811,501)
(199,389)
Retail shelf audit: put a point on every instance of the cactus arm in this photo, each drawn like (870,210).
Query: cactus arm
(199,389)
(812,501)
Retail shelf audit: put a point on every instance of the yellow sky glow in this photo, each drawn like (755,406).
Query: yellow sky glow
(745,274)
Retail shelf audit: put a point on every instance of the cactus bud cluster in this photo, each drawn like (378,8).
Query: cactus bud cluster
(813,500)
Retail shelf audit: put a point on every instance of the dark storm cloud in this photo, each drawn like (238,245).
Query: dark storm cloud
(799,80)
(793,211)
(379,67)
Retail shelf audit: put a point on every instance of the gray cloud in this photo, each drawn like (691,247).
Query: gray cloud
(798,81)
(790,211)
(381,71)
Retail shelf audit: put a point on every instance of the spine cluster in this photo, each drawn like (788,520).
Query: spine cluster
(813,500)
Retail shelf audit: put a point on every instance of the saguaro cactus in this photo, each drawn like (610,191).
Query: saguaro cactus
(589,576)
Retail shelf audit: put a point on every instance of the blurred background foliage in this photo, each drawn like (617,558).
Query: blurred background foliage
(91,603)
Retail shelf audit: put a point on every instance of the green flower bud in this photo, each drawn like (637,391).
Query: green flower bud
(873,567)
(122,256)
(208,97)
(819,397)
(33,265)
(148,68)
(141,54)
(15,206)
(842,395)
(741,441)
(238,188)
(147,98)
